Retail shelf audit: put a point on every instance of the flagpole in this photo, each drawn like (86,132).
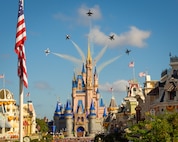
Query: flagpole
(22,72)
(21,110)
(134,73)
(3,81)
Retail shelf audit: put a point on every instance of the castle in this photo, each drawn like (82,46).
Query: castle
(83,116)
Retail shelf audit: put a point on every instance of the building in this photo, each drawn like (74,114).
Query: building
(162,95)
(9,116)
(83,115)
(120,117)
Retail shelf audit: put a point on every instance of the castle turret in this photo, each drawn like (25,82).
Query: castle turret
(95,79)
(57,116)
(89,84)
(84,73)
(113,108)
(104,113)
(69,119)
(92,119)
(101,102)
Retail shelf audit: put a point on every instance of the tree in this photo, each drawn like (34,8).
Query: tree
(162,128)
(42,126)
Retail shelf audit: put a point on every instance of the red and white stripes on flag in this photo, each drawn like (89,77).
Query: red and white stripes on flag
(19,45)
(142,74)
(131,64)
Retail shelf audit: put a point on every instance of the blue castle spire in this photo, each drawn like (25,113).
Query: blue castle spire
(101,102)
(95,72)
(92,107)
(58,109)
(68,109)
(104,113)
(68,105)
(97,91)
(83,68)
(74,82)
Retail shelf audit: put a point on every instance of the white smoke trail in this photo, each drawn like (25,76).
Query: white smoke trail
(70,58)
(107,63)
(98,57)
(79,51)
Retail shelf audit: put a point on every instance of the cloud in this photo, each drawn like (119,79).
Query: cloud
(41,85)
(134,37)
(118,86)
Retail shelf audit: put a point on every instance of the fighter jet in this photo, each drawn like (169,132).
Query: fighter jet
(89,13)
(111,37)
(47,51)
(127,51)
(67,36)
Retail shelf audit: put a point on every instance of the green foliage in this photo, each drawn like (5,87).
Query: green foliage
(42,126)
(162,128)
(112,137)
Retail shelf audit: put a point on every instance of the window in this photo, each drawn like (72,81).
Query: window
(172,94)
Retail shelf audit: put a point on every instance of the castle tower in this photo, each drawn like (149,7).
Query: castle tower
(89,75)
(84,73)
(104,113)
(95,80)
(74,86)
(113,108)
(69,119)
(80,121)
(84,89)
(92,119)
(57,115)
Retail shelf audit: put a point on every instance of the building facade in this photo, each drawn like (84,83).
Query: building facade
(164,95)
(9,116)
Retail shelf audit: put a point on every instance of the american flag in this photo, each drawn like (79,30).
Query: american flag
(131,64)
(142,74)
(19,45)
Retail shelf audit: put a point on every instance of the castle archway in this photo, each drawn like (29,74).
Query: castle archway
(80,131)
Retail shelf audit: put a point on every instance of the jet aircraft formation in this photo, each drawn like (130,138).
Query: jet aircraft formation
(111,37)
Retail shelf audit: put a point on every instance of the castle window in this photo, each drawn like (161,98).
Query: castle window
(78,118)
(82,119)
(80,86)
(134,89)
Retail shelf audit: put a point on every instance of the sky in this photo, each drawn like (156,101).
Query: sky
(148,28)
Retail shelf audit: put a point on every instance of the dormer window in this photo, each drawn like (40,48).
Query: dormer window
(134,89)
(172,94)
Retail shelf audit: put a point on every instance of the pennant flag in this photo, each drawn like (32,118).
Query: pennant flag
(142,74)
(2,76)
(19,45)
(28,94)
(131,64)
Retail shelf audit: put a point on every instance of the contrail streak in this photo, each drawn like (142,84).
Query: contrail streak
(79,51)
(107,63)
(70,58)
(98,57)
